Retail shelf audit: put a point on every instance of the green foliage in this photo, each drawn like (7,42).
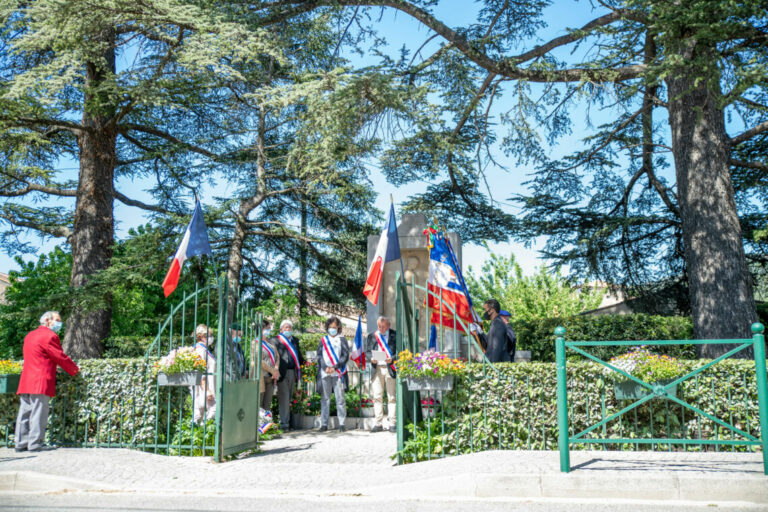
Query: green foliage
(36,288)
(543,295)
(538,335)
(199,438)
(134,278)
(517,410)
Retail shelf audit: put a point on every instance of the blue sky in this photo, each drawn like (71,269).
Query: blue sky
(399,30)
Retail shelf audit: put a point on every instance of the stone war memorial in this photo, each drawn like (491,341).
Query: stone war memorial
(417,255)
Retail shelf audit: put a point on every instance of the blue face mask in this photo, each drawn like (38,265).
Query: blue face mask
(332,331)
(287,334)
(237,339)
(56,326)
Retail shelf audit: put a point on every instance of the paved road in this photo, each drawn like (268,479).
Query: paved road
(344,471)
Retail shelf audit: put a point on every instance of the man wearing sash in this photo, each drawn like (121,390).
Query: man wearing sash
(333,354)
(383,374)
(269,367)
(289,368)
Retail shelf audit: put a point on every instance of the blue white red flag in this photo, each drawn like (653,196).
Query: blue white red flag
(194,243)
(387,250)
(358,354)
(445,280)
(433,338)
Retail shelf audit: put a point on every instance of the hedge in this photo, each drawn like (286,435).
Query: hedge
(113,402)
(518,410)
(538,335)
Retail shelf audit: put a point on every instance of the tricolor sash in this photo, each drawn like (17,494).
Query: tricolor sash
(293,353)
(270,352)
(328,346)
(383,345)
(210,356)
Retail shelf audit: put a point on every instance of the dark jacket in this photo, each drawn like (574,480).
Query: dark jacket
(371,344)
(286,360)
(497,342)
(511,343)
(343,356)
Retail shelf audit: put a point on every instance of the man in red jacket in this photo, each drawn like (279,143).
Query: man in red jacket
(42,353)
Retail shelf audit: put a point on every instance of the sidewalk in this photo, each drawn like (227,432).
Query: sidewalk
(310,465)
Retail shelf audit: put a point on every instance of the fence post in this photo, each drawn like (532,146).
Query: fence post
(562,401)
(758,342)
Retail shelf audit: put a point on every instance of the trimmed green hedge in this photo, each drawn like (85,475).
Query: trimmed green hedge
(518,410)
(538,335)
(113,402)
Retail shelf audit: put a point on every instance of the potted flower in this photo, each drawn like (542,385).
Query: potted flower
(428,371)
(657,370)
(10,373)
(428,406)
(181,367)
(366,405)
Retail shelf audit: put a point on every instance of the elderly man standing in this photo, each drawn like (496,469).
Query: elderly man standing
(289,371)
(42,354)
(383,374)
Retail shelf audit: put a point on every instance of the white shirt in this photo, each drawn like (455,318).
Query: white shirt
(336,344)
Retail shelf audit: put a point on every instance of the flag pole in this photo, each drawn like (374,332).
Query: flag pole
(402,269)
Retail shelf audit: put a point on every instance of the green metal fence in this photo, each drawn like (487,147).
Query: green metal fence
(119,403)
(680,432)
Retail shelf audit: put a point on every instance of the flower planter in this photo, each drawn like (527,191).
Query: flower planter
(179,379)
(630,390)
(9,383)
(367,412)
(429,384)
(428,412)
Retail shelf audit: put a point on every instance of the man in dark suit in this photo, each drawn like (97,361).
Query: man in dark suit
(497,334)
(289,369)
(511,336)
(383,374)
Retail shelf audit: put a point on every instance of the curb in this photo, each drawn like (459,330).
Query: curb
(35,482)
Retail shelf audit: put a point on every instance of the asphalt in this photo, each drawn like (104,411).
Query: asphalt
(349,469)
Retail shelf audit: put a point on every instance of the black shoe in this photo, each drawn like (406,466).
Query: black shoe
(393,429)
(323,429)
(19,450)
(342,428)
(44,448)
(376,428)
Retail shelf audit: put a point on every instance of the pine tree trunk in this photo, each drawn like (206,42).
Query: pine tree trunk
(235,262)
(93,233)
(722,301)
(303,263)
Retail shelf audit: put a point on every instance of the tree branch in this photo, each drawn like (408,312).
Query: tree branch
(755,130)
(749,165)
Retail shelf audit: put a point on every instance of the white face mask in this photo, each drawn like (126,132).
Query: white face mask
(210,339)
(57,325)
(266,332)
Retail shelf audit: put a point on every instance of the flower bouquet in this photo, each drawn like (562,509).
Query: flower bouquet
(655,369)
(10,373)
(428,371)
(181,367)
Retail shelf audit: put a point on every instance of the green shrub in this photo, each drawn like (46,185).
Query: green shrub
(518,409)
(538,335)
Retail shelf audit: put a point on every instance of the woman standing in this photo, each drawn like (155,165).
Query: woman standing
(333,354)
(204,394)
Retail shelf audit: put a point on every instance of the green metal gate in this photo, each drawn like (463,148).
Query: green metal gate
(237,387)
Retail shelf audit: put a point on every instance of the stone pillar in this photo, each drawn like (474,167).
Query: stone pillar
(415,262)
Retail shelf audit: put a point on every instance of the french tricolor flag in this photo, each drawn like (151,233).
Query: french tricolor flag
(194,243)
(387,250)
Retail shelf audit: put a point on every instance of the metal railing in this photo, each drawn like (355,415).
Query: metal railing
(680,432)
